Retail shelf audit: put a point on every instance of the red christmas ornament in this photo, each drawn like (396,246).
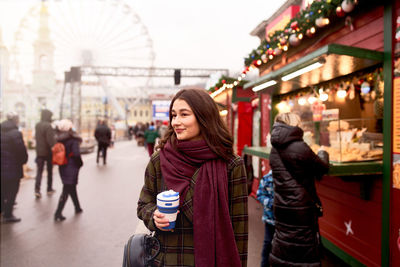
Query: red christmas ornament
(310,32)
(294,25)
(255,63)
(340,12)
(223,81)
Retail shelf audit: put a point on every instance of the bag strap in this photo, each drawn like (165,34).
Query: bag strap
(152,242)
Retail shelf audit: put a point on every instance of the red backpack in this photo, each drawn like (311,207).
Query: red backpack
(59,154)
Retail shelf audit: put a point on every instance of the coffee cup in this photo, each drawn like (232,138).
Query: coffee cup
(168,204)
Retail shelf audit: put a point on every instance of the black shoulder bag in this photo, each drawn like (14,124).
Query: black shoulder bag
(140,250)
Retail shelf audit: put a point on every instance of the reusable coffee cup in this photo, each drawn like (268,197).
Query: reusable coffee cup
(168,204)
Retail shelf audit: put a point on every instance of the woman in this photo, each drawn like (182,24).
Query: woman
(295,167)
(69,172)
(195,158)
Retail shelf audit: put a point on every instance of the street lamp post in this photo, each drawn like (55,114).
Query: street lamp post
(126,119)
(88,120)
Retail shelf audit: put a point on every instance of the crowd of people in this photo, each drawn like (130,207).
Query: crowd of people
(191,154)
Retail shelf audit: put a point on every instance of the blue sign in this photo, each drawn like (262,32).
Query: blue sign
(161,109)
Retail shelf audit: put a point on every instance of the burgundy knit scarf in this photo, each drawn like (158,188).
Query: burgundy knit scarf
(214,240)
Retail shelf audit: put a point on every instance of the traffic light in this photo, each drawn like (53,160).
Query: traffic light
(177,76)
(75,74)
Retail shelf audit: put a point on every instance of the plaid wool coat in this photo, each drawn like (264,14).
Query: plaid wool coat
(177,248)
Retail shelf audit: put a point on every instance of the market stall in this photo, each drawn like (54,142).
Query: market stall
(340,82)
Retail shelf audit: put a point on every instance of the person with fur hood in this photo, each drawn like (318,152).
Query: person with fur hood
(70,171)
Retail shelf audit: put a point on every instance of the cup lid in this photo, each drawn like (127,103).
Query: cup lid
(168,195)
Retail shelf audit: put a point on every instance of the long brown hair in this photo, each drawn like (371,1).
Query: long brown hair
(212,128)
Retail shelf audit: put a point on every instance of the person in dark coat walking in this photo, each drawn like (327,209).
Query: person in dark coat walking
(296,204)
(44,135)
(70,171)
(103,137)
(13,157)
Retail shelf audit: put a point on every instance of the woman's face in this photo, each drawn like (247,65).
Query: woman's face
(184,121)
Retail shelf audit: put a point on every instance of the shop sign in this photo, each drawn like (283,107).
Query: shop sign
(161,109)
(396,132)
(330,114)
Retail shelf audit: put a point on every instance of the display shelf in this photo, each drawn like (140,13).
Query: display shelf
(336,169)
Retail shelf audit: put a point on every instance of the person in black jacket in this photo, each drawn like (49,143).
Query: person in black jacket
(296,204)
(103,137)
(13,157)
(70,171)
(44,135)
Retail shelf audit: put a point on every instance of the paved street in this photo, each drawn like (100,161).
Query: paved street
(108,196)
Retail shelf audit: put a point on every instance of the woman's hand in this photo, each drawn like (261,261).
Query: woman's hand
(160,221)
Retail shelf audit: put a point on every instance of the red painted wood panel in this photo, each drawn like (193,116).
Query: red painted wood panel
(245,125)
(367,33)
(244,93)
(343,204)
(395,227)
(364,28)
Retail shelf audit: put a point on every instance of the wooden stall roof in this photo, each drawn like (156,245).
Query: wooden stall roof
(338,60)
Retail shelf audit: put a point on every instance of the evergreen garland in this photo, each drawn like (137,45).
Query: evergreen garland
(303,21)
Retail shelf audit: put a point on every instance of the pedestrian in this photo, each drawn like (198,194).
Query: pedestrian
(130,133)
(103,137)
(150,136)
(163,129)
(196,159)
(265,194)
(44,135)
(113,135)
(297,206)
(141,128)
(13,157)
(69,172)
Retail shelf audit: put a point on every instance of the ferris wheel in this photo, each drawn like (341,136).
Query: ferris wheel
(84,33)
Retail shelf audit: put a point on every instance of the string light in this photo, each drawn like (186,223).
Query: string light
(341,93)
(302,101)
(323,96)
(312,99)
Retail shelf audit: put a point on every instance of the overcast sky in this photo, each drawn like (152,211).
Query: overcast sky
(198,34)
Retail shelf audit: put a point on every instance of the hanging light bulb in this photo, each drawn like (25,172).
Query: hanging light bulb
(365,87)
(323,96)
(341,93)
(283,107)
(302,101)
(312,99)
